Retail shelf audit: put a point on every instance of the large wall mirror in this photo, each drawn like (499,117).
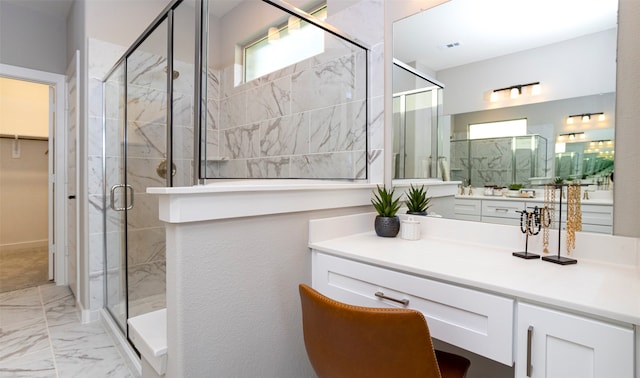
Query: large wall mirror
(549,64)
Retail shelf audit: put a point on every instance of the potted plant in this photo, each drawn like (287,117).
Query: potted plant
(387,223)
(417,200)
(514,189)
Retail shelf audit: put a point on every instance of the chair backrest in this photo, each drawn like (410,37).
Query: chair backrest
(352,341)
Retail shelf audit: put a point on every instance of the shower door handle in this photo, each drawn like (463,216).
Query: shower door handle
(112,197)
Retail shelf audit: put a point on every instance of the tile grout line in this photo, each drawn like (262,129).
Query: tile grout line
(46,322)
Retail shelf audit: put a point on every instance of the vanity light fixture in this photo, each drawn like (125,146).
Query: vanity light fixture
(515,91)
(585,117)
(571,137)
(601,143)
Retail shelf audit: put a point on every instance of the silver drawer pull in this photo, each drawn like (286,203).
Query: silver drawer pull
(529,339)
(502,209)
(404,302)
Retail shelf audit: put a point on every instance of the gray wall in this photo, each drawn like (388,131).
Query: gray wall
(32,39)
(627,201)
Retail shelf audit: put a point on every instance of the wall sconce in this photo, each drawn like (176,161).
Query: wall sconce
(571,137)
(585,117)
(515,91)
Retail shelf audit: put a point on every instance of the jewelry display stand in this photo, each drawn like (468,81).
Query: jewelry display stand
(528,223)
(557,259)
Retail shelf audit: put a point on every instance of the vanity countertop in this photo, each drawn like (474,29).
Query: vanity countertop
(599,288)
(599,201)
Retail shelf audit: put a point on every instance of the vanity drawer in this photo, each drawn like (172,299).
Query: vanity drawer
(467,207)
(478,322)
(502,209)
(597,214)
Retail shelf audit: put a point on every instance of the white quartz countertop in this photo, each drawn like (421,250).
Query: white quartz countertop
(600,289)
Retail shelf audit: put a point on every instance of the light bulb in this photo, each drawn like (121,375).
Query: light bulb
(494,96)
(572,136)
(600,144)
(601,117)
(582,136)
(515,92)
(586,118)
(569,120)
(293,25)
(273,35)
(535,90)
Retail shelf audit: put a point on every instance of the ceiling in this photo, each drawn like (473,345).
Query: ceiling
(490,28)
(61,8)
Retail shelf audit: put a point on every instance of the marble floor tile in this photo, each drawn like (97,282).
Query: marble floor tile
(86,350)
(20,305)
(33,365)
(41,336)
(22,338)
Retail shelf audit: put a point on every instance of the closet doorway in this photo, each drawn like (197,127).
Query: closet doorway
(31,222)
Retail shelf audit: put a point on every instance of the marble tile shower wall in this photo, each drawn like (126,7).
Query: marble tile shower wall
(305,121)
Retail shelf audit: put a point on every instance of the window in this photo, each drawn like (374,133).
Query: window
(284,45)
(516,127)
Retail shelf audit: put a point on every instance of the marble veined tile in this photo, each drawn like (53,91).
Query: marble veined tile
(86,350)
(24,337)
(285,136)
(145,280)
(241,142)
(33,365)
(331,165)
(324,85)
(268,168)
(270,100)
(338,128)
(146,245)
(19,306)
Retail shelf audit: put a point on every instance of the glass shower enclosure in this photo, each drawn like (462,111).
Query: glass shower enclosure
(179,110)
(498,161)
(417,104)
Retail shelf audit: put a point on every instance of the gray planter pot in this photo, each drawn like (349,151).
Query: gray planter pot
(423,213)
(387,227)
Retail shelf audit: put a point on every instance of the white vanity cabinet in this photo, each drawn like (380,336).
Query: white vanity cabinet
(498,210)
(555,344)
(474,320)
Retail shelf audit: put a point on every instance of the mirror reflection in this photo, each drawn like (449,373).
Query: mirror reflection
(549,64)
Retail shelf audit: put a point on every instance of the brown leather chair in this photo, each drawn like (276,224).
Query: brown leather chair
(352,341)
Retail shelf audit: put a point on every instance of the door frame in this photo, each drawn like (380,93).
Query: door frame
(57,137)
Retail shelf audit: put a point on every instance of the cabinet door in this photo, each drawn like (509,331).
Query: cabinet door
(554,344)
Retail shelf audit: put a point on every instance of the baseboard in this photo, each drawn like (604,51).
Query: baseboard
(87,316)
(128,354)
(24,245)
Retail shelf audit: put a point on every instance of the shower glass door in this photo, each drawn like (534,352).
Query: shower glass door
(115,193)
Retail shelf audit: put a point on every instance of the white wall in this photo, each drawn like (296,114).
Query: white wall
(32,39)
(232,292)
(579,67)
